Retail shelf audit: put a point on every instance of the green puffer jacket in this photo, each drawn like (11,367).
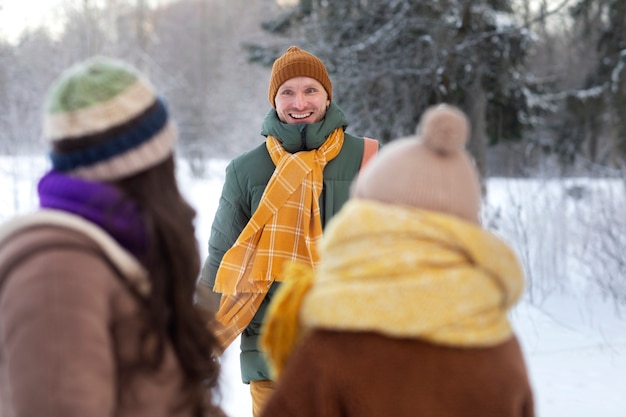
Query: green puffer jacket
(246,179)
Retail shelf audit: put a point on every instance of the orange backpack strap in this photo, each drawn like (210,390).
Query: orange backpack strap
(370,149)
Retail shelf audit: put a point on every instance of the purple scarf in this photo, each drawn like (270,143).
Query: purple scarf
(100,203)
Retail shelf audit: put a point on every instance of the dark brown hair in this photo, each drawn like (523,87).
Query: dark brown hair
(173,262)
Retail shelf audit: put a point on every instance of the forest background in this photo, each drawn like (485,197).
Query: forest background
(543,81)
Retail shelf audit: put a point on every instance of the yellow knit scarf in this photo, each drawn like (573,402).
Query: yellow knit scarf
(402,272)
(285,227)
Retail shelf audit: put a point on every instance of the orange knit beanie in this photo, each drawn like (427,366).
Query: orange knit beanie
(298,63)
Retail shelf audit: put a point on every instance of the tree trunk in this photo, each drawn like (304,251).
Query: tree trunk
(476,107)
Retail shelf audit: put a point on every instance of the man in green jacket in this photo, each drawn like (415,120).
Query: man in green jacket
(276,199)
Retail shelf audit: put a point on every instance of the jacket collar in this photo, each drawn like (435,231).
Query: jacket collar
(303,137)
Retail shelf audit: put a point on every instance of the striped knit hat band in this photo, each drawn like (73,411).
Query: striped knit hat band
(298,63)
(105,122)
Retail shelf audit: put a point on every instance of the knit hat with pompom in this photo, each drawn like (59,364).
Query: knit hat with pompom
(104,121)
(431,171)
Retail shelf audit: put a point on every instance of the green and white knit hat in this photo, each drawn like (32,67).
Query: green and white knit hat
(105,121)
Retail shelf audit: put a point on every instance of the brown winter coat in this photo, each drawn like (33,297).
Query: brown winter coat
(334,374)
(66,319)
(406,317)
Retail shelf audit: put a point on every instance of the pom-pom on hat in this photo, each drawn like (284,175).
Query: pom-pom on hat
(297,62)
(431,171)
(105,122)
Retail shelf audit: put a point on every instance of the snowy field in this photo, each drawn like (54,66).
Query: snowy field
(574,338)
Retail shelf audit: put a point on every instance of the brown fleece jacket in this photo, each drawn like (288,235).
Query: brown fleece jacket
(66,319)
(339,374)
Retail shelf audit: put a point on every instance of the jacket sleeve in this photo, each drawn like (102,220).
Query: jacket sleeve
(57,350)
(232,215)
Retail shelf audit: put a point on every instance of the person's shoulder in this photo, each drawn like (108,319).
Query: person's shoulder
(34,230)
(42,247)
(62,237)
(352,143)
(355,145)
(252,156)
(354,140)
(253,165)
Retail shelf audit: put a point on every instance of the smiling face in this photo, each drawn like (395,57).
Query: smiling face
(301,100)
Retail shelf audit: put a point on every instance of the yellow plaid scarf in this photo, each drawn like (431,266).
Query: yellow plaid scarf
(403,272)
(285,227)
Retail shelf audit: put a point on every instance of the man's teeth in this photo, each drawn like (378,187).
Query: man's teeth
(301,116)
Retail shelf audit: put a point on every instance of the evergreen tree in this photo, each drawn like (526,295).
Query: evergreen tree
(390,60)
(596,114)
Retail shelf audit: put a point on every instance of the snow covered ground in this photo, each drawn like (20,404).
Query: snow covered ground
(573,339)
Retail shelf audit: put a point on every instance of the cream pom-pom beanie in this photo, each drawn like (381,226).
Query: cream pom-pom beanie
(431,170)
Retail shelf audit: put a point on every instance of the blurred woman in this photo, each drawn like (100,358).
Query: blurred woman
(96,286)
